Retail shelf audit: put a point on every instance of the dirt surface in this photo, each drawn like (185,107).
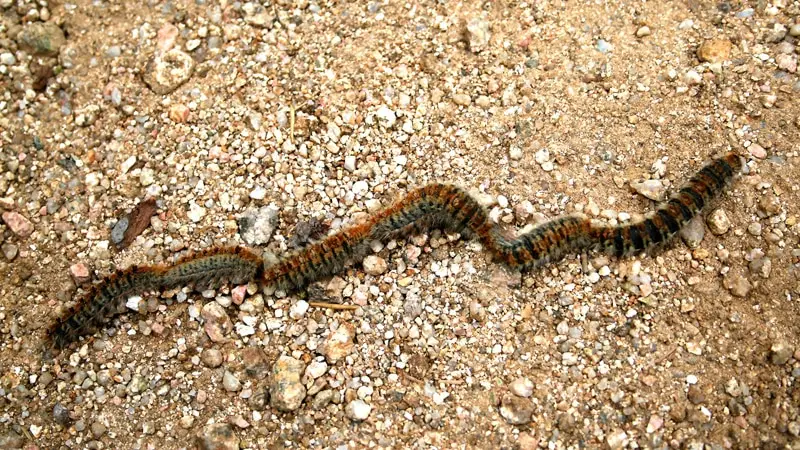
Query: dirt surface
(298,110)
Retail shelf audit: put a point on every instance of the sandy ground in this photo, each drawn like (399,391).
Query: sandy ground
(296,110)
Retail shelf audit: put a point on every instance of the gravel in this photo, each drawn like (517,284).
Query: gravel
(268,125)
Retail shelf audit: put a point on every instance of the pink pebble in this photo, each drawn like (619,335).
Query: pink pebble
(20,225)
(238,294)
(79,272)
(166,36)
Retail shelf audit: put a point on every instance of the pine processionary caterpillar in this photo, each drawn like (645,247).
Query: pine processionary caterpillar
(107,299)
(434,205)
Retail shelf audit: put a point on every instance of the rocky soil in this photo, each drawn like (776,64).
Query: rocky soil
(133,132)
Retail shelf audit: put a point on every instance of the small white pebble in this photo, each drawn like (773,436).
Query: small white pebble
(133,303)
(299,309)
(358,410)
(258,193)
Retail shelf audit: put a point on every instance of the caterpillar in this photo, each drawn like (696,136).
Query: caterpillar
(432,206)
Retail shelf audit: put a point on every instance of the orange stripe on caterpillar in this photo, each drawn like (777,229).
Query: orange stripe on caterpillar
(432,205)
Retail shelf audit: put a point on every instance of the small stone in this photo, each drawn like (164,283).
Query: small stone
(794,31)
(360,187)
(80,273)
(316,369)
(7,58)
(757,151)
(254,120)
(18,223)
(259,193)
(516,410)
(603,46)
(350,163)
(522,387)
(692,78)
(569,359)
(770,205)
(211,357)
(36,430)
(787,62)
(780,353)
(339,343)
(524,211)
(134,303)
(61,414)
(761,267)
(257,15)
(98,430)
(617,440)
(166,37)
(196,212)
(654,424)
(218,436)
(179,113)
(298,310)
(375,265)
(714,50)
(737,284)
(166,72)
(186,422)
(694,348)
(732,388)
(643,31)
(695,395)
(238,293)
(652,189)
(335,287)
(478,34)
(147,176)
(515,153)
(483,101)
(322,399)
(542,156)
(286,390)
(358,410)
(693,233)
(240,421)
(718,222)
(256,363)
(527,441)
(754,229)
(257,225)
(10,251)
(462,99)
(192,44)
(230,382)
(43,38)
(217,323)
(386,117)
(509,97)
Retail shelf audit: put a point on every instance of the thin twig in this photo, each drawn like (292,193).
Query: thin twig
(665,357)
(335,306)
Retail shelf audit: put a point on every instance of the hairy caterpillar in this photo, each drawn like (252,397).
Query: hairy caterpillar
(434,205)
